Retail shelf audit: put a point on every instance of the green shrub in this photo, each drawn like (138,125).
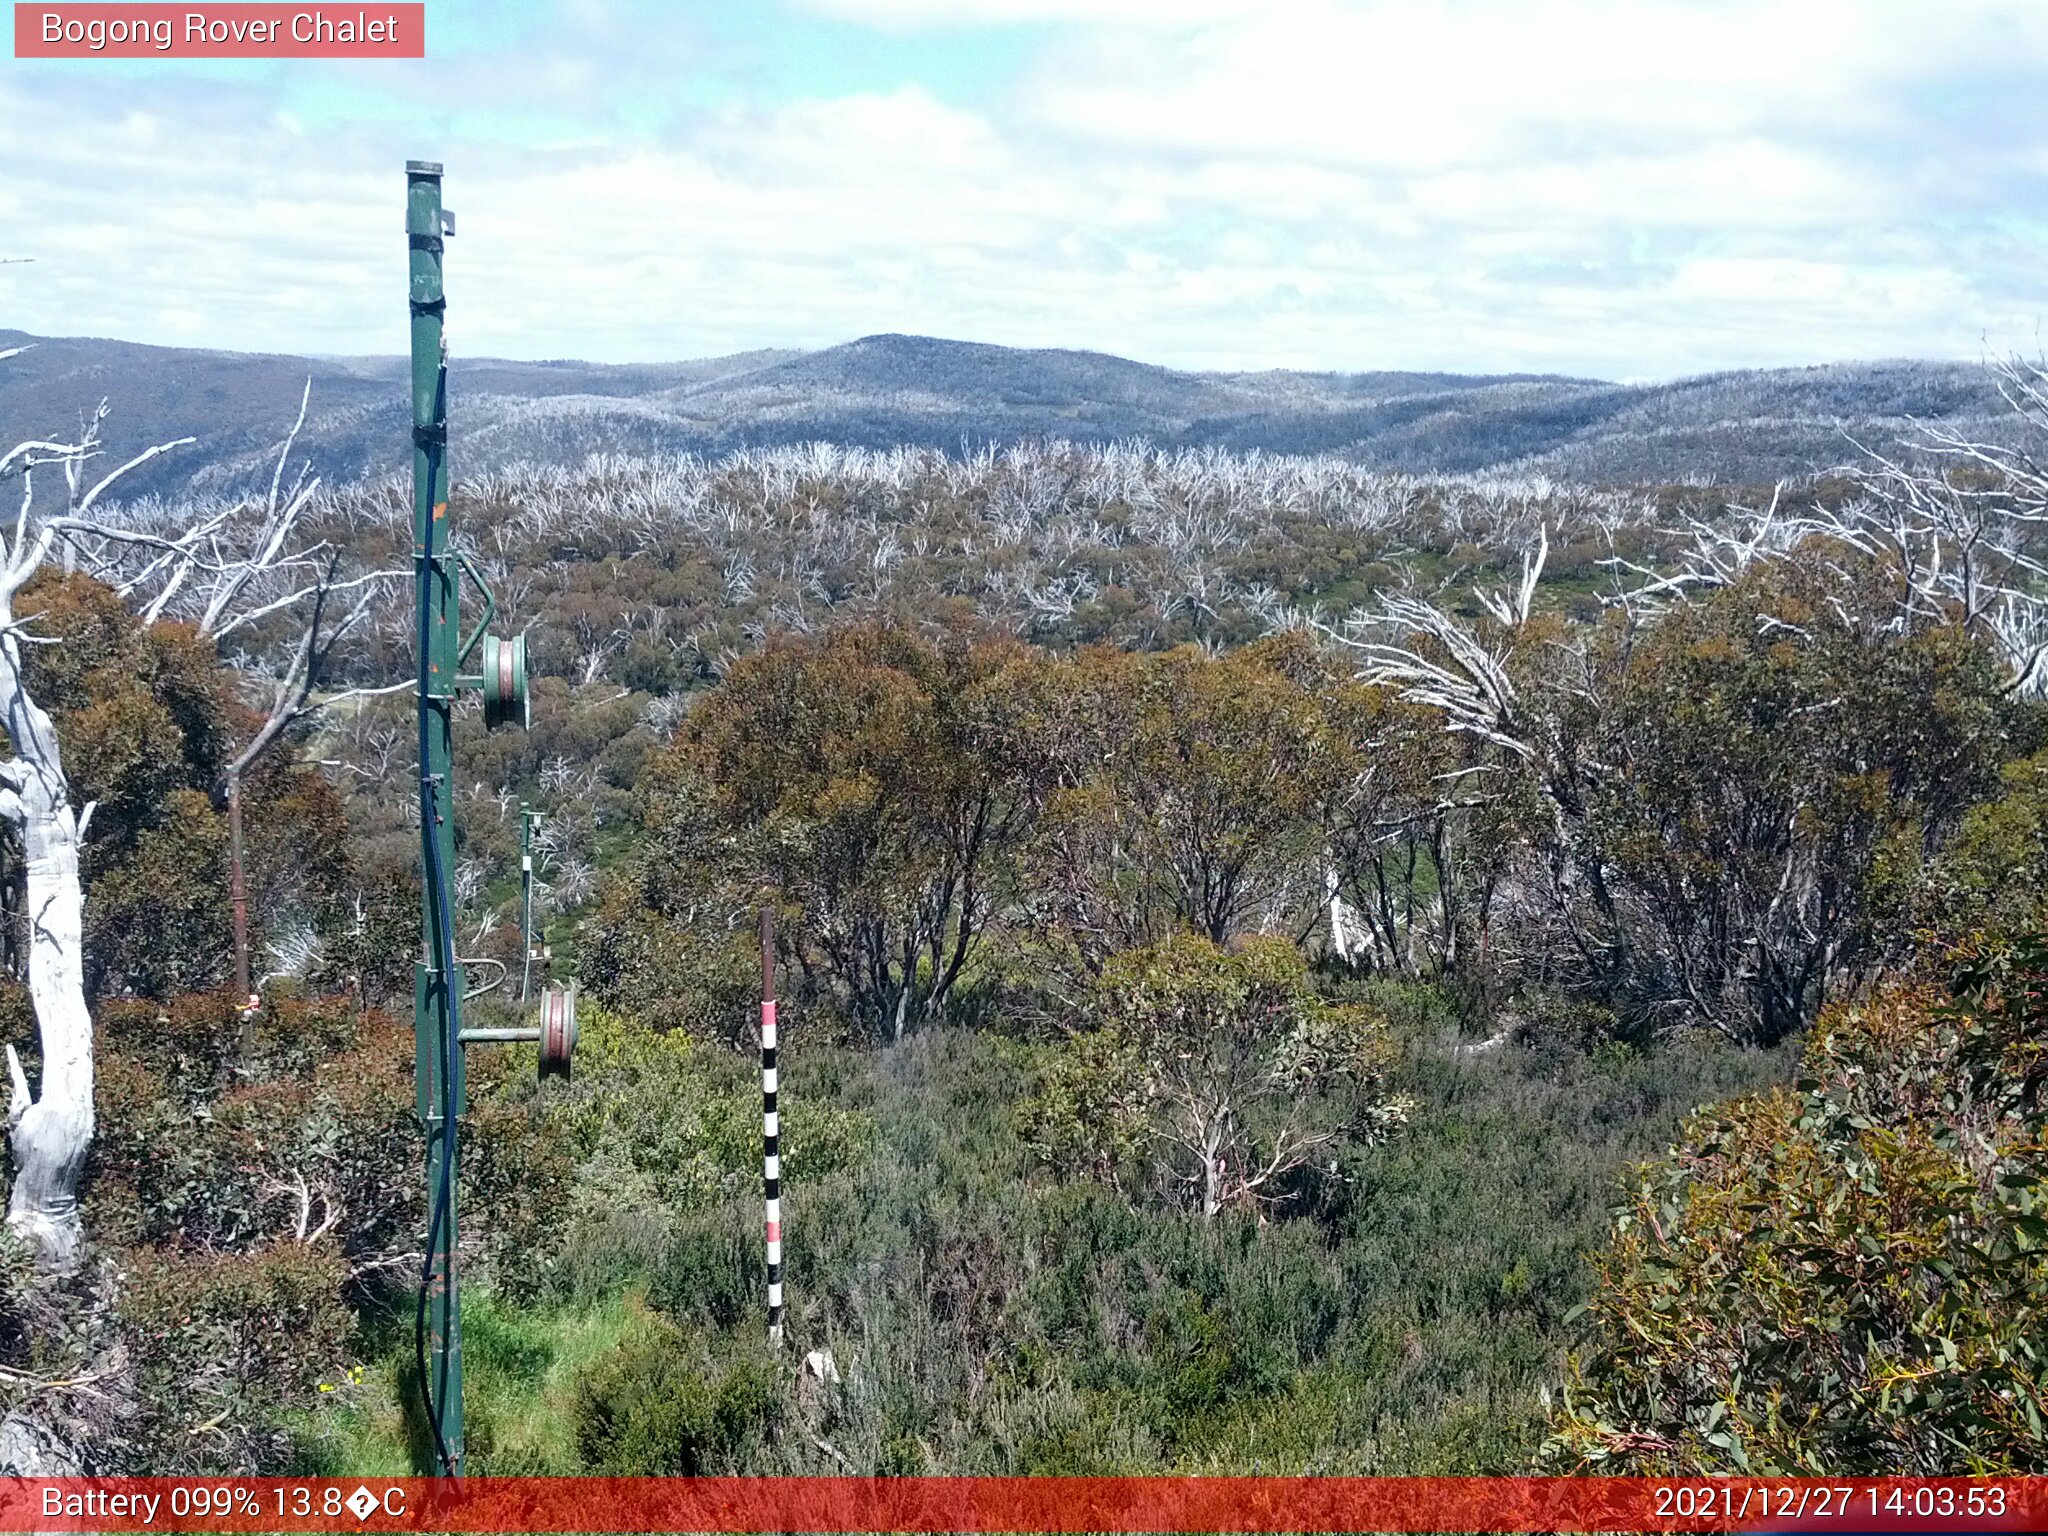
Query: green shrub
(228,1347)
(654,1407)
(1226,1065)
(1847,1277)
(200,1146)
(1204,1357)
(1086,1117)
(679,1124)
(1994,876)
(703,982)
(710,1266)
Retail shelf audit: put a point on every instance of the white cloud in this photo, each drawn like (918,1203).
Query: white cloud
(1577,185)
(1410,84)
(1166,14)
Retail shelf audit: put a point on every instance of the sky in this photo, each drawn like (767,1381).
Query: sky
(1591,187)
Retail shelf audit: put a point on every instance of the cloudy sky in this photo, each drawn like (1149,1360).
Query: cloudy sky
(1629,190)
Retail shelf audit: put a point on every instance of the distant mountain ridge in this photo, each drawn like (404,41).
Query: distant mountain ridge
(885,390)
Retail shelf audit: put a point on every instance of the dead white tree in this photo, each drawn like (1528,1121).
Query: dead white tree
(50,1127)
(248,567)
(1961,523)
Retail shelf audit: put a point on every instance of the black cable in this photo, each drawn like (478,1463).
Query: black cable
(444,962)
(419,1336)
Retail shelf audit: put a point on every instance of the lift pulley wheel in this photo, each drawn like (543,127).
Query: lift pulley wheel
(504,682)
(557,1030)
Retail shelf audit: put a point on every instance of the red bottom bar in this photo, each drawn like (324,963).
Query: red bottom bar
(976,1504)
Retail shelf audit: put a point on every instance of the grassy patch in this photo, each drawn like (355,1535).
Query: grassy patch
(521,1365)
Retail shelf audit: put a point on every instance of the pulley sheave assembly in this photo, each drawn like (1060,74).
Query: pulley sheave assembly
(504,682)
(501,674)
(557,1030)
(554,1033)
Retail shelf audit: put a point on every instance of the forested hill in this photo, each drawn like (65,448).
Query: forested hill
(1743,427)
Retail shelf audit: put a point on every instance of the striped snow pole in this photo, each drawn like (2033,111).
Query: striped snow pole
(771,1131)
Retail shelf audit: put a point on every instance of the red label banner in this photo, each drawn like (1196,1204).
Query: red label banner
(977,1504)
(360,30)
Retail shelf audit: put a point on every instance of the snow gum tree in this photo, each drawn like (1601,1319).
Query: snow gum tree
(1227,1065)
(50,1131)
(50,1127)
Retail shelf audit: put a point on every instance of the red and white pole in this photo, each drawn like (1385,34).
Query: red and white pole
(771,1131)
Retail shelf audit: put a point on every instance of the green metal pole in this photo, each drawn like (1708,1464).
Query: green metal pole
(438,991)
